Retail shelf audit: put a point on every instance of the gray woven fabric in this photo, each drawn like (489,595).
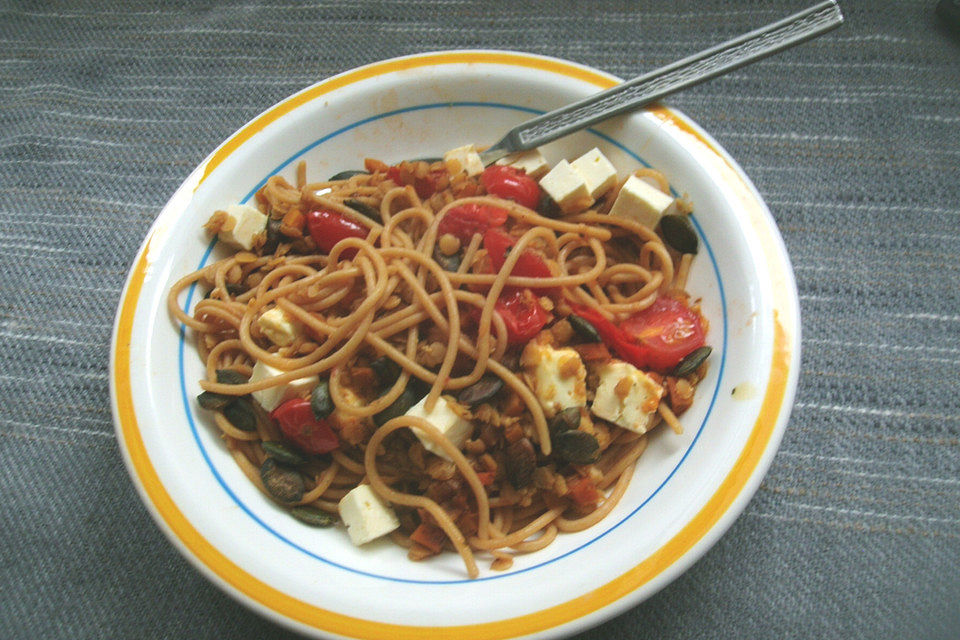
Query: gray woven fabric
(853,139)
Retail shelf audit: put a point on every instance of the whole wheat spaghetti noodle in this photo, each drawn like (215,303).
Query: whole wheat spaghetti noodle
(484,360)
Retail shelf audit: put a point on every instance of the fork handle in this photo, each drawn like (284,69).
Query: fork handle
(652,86)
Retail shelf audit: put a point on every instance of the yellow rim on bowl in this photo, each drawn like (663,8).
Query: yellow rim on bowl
(733,486)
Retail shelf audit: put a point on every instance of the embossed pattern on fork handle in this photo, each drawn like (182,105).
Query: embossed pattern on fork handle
(647,88)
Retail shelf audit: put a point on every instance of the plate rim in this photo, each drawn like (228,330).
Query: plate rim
(631,587)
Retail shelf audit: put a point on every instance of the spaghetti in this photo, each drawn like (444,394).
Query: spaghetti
(390,304)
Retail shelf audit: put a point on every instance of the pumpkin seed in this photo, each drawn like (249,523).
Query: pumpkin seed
(363,208)
(521,460)
(349,173)
(583,328)
(320,400)
(511,360)
(283,453)
(229,376)
(679,233)
(566,420)
(313,516)
(273,236)
(428,159)
(481,391)
(234,289)
(577,447)
(447,263)
(241,414)
(387,371)
(214,401)
(548,207)
(692,362)
(400,406)
(286,485)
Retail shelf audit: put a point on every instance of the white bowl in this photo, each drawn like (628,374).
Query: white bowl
(687,489)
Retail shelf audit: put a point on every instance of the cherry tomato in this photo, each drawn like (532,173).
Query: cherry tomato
(468,219)
(529,264)
(668,329)
(327,228)
(522,313)
(615,338)
(298,424)
(511,183)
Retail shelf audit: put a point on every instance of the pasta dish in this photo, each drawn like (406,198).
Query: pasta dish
(456,357)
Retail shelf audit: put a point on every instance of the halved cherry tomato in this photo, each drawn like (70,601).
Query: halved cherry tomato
(656,338)
(298,424)
(669,330)
(327,228)
(529,264)
(522,313)
(468,219)
(511,183)
(615,337)
(583,491)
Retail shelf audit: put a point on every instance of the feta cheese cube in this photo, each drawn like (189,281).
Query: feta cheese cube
(464,158)
(278,327)
(641,202)
(556,376)
(532,162)
(567,188)
(446,420)
(598,172)
(626,396)
(366,515)
(272,397)
(243,224)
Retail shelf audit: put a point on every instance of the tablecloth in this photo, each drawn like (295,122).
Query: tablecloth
(853,140)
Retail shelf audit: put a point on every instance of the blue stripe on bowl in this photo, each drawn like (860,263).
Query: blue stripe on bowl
(185,397)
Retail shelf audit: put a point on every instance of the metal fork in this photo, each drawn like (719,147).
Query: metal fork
(649,87)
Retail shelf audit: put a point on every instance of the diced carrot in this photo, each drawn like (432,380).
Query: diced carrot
(293,223)
(429,536)
(374,166)
(583,492)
